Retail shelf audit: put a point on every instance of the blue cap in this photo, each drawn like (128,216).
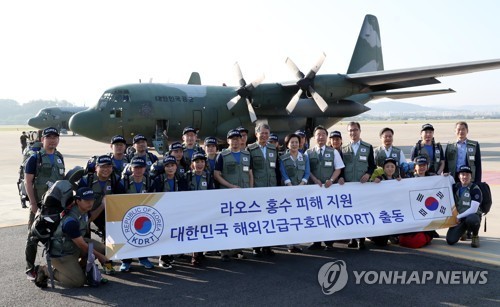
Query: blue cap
(138,161)
(84,193)
(273,137)
(335,134)
(242,129)
(421,160)
(118,139)
(175,145)
(169,159)
(300,133)
(188,129)
(427,127)
(139,137)
(210,141)
(50,131)
(390,160)
(198,155)
(104,160)
(464,169)
(233,133)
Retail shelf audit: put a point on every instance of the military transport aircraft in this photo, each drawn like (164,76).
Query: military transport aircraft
(152,109)
(54,117)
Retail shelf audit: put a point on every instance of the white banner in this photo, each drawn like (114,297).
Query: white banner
(139,225)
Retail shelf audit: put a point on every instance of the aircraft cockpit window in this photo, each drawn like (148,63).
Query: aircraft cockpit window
(121,96)
(104,100)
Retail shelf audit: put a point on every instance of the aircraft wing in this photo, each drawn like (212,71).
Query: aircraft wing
(401,78)
(409,94)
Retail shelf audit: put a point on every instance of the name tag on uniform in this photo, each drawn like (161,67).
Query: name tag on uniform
(204,184)
(465,203)
(472,158)
(61,172)
(59,160)
(363,149)
(245,168)
(327,155)
(328,163)
(272,164)
(362,158)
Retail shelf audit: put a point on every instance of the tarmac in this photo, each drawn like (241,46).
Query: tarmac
(436,256)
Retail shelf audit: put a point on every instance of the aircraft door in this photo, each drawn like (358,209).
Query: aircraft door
(197,119)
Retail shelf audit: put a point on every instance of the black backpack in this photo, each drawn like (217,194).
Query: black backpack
(487,201)
(54,203)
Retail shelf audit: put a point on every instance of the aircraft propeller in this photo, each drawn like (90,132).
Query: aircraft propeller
(305,83)
(245,91)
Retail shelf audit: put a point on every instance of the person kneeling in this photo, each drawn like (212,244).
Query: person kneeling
(468,198)
(69,246)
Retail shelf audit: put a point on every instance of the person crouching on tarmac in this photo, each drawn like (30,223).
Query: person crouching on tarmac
(170,181)
(468,198)
(137,182)
(69,246)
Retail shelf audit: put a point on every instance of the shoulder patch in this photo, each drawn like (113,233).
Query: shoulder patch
(253,146)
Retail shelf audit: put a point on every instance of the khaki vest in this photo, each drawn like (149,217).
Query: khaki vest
(322,168)
(264,169)
(380,157)
(463,202)
(204,181)
(130,185)
(356,165)
(62,244)
(294,169)
(46,173)
(451,155)
(234,173)
(99,192)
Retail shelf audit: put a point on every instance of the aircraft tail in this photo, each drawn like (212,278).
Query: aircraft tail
(367,55)
(194,78)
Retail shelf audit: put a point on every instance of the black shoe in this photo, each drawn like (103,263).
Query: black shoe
(41,277)
(315,246)
(240,256)
(257,253)
(469,235)
(225,258)
(361,244)
(353,243)
(268,251)
(295,250)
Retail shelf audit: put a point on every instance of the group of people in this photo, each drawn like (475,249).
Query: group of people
(188,166)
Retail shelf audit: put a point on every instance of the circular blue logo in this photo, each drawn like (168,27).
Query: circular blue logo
(142,226)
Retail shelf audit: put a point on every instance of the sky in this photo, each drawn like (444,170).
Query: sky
(75,50)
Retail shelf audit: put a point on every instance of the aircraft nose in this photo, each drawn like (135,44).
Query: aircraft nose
(31,121)
(86,123)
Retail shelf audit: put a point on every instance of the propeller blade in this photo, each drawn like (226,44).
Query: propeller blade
(294,68)
(239,75)
(293,102)
(251,111)
(316,67)
(231,103)
(318,99)
(255,83)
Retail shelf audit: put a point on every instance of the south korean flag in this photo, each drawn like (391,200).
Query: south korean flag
(431,204)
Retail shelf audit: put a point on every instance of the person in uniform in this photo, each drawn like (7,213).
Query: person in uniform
(233,169)
(295,170)
(169,181)
(468,198)
(244,136)
(326,166)
(118,157)
(421,166)
(335,141)
(24,141)
(140,144)
(190,147)
(463,152)
(387,150)
(428,147)
(359,164)
(177,151)
(265,165)
(69,248)
(210,146)
(199,178)
(303,141)
(137,182)
(43,169)
(103,182)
